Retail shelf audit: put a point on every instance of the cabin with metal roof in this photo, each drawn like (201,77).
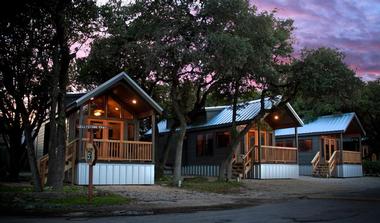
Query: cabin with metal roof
(206,142)
(329,146)
(108,118)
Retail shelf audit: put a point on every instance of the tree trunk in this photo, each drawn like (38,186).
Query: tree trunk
(32,159)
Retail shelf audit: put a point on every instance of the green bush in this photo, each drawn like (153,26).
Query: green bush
(371,167)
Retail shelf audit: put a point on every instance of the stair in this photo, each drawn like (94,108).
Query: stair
(321,170)
(237,170)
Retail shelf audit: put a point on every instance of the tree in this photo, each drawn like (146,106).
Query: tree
(71,21)
(35,53)
(365,106)
(327,84)
(23,55)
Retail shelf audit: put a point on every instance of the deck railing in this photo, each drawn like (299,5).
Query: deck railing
(120,150)
(276,154)
(350,157)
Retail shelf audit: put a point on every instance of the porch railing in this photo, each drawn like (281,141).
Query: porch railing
(276,154)
(120,150)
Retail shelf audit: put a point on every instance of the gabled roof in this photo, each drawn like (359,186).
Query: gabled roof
(111,82)
(246,111)
(330,124)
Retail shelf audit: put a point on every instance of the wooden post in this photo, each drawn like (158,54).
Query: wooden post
(296,142)
(341,148)
(153,136)
(90,171)
(81,119)
(259,149)
(360,148)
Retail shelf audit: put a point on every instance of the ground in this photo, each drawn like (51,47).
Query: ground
(299,200)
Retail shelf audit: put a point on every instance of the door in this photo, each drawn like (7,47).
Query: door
(114,139)
(329,147)
(252,143)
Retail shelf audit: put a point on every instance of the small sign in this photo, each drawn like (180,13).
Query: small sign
(90,154)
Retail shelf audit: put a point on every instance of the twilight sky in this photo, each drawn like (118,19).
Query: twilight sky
(353,26)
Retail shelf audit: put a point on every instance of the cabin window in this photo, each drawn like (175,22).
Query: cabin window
(131,132)
(127,115)
(97,133)
(114,131)
(97,107)
(284,143)
(305,145)
(262,138)
(223,139)
(205,145)
(270,139)
(113,108)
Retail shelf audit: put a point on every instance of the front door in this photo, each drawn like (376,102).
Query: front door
(329,147)
(252,142)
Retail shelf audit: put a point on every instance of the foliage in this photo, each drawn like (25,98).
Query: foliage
(327,84)
(109,199)
(371,167)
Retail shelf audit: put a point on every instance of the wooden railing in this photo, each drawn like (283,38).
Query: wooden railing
(119,150)
(247,161)
(276,154)
(70,157)
(334,159)
(316,160)
(352,157)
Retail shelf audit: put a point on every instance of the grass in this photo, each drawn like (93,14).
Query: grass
(108,199)
(28,189)
(204,185)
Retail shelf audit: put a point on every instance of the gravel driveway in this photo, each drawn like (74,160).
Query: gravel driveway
(162,196)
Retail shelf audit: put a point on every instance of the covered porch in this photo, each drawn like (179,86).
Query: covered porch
(112,118)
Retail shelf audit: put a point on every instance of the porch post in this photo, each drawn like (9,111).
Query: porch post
(259,150)
(360,148)
(296,142)
(153,136)
(341,148)
(81,119)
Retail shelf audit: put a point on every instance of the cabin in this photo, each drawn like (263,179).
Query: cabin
(112,118)
(206,141)
(329,146)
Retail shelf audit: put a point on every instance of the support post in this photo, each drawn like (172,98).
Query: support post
(259,149)
(153,136)
(296,143)
(360,148)
(81,119)
(341,148)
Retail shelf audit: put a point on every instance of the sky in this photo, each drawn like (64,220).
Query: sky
(352,26)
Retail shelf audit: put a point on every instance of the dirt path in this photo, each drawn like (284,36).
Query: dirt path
(162,196)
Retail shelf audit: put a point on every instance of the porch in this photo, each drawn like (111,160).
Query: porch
(342,163)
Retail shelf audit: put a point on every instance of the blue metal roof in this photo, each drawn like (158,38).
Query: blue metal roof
(246,111)
(324,124)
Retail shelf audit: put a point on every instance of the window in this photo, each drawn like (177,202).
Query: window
(223,139)
(305,145)
(205,145)
(284,143)
(262,138)
(113,108)
(97,107)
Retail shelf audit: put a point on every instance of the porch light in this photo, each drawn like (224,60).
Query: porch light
(98,112)
(116,108)
(276,117)
(92,98)
(134,101)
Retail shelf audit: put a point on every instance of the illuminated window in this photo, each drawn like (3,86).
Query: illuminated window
(305,145)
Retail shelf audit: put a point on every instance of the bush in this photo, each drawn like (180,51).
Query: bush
(371,167)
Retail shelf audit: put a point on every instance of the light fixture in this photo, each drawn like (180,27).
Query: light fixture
(276,117)
(134,101)
(98,112)
(92,98)
(116,108)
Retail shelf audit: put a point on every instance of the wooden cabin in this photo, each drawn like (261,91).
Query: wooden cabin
(206,142)
(329,146)
(111,117)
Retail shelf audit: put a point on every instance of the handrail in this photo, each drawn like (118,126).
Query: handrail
(278,147)
(249,151)
(315,158)
(332,162)
(117,141)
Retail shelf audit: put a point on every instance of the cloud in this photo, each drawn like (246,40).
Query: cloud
(351,26)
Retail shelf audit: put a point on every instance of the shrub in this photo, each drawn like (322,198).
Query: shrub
(371,167)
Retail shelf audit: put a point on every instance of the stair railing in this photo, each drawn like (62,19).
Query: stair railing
(332,162)
(247,161)
(315,160)
(70,157)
